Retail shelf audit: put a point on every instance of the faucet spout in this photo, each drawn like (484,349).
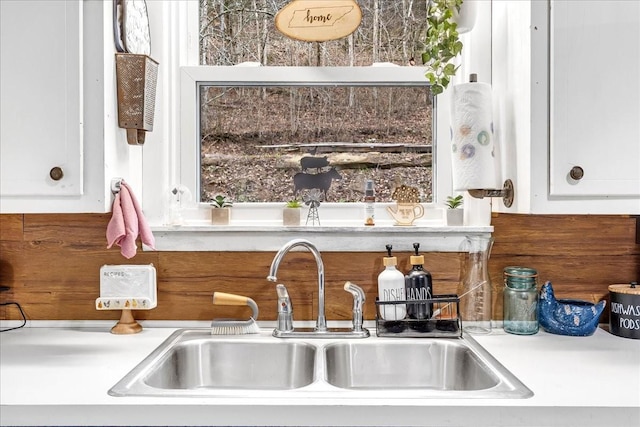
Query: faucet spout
(321,322)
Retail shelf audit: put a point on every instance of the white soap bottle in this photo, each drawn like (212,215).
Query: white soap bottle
(391,287)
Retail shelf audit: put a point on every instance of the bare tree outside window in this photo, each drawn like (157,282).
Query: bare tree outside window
(252,137)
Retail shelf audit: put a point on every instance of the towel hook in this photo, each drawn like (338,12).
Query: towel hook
(115,185)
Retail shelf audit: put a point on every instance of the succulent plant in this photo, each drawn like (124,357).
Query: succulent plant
(295,203)
(454,202)
(221,201)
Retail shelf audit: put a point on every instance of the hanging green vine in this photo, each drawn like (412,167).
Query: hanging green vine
(442,45)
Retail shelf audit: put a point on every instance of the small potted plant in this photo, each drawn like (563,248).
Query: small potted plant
(455,214)
(291,213)
(442,44)
(221,210)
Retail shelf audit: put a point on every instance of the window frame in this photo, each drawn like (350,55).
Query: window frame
(167,162)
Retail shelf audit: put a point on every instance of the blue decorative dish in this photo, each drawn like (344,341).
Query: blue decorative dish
(567,317)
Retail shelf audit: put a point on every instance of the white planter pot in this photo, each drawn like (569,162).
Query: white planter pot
(220,216)
(455,217)
(291,217)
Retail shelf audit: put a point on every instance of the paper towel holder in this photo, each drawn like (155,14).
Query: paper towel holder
(507,193)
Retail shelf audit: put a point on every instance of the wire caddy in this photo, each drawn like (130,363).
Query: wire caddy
(441,318)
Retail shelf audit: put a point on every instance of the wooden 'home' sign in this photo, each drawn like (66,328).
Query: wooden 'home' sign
(318,20)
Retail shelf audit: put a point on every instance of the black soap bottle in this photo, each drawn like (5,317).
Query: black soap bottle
(418,286)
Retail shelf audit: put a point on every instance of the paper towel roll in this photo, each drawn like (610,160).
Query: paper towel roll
(472,140)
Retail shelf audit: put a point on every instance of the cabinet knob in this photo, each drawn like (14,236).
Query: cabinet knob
(576,173)
(56,173)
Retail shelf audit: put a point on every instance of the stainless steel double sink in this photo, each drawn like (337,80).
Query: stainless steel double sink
(192,362)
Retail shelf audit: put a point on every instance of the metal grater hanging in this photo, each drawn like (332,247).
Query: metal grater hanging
(136,72)
(136,77)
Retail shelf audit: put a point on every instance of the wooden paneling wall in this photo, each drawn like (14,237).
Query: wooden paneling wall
(51,263)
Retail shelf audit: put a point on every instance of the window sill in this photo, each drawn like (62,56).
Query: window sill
(258,227)
(326,238)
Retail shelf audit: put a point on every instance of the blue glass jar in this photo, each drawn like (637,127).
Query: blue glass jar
(520,300)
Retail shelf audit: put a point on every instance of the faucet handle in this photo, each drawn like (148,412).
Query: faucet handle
(357,292)
(358,303)
(285,309)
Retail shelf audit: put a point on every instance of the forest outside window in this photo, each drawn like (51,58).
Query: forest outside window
(369,122)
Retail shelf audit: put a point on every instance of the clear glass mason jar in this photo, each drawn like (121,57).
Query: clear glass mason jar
(520,300)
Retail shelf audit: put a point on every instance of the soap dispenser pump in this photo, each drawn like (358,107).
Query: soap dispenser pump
(391,287)
(419,286)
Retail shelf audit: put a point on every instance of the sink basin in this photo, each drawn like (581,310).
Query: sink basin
(434,364)
(243,365)
(437,367)
(194,363)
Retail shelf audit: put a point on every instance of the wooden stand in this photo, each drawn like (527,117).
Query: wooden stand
(127,324)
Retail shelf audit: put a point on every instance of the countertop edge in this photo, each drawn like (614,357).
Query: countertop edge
(314,415)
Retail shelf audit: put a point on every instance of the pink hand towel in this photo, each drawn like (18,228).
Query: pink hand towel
(127,222)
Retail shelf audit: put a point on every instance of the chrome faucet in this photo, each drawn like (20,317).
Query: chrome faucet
(321,323)
(285,310)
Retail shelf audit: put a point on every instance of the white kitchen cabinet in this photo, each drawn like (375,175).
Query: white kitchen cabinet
(567,96)
(595,98)
(58,108)
(41,86)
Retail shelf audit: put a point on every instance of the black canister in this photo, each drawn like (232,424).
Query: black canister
(624,310)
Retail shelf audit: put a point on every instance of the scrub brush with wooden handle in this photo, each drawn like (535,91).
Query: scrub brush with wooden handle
(233,326)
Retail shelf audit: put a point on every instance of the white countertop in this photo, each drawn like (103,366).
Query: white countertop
(61,375)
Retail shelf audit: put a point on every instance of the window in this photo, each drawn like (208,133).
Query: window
(254,135)
(237,31)
(173,156)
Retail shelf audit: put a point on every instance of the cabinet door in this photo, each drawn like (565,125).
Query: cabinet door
(41,102)
(595,98)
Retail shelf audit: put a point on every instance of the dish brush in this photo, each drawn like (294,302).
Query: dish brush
(234,326)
